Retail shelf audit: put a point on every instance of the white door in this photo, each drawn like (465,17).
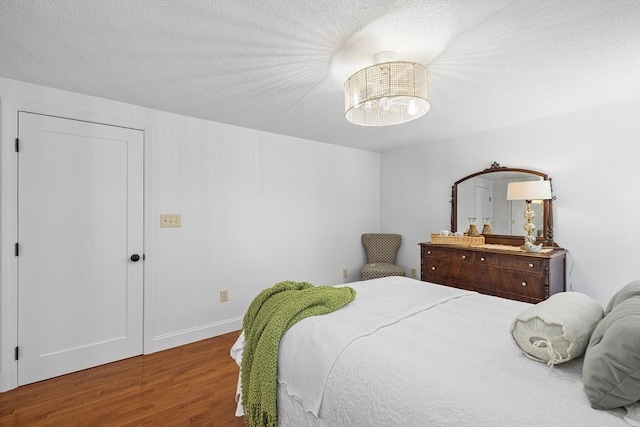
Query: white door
(483,203)
(80,221)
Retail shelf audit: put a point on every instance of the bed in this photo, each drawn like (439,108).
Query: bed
(411,353)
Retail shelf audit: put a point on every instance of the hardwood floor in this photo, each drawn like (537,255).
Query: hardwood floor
(192,385)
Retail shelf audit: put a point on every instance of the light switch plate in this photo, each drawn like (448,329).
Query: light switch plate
(170,220)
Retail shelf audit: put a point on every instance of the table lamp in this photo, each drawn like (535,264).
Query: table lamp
(528,191)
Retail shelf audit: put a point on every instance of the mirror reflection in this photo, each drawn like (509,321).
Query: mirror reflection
(483,196)
(483,200)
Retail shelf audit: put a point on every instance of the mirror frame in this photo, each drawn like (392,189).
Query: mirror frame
(502,239)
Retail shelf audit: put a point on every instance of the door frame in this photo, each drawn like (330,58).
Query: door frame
(9,109)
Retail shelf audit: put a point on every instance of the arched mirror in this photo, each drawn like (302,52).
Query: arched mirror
(482,198)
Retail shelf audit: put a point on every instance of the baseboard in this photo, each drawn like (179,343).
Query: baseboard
(188,336)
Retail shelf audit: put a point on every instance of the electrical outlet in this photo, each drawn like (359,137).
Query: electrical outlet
(345,273)
(224,295)
(170,220)
(414,272)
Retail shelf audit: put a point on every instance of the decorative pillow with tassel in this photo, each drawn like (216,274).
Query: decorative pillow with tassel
(558,329)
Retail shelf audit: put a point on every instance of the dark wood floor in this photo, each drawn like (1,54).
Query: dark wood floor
(192,385)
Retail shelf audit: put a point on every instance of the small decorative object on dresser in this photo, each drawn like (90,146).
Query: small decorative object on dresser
(486,228)
(473,229)
(513,274)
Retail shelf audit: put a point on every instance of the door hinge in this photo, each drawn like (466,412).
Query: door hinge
(17,145)
(16,250)
(16,353)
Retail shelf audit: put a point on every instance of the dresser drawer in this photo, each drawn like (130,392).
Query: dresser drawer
(525,264)
(436,270)
(529,286)
(486,259)
(454,255)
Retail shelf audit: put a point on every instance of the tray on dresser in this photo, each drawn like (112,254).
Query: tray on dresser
(457,240)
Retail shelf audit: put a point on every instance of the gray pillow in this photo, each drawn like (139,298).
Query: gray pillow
(611,370)
(631,289)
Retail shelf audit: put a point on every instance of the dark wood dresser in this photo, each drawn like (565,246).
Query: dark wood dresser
(521,276)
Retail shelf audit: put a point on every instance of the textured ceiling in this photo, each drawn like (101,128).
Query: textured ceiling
(279,65)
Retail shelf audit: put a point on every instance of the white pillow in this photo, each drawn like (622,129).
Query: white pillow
(558,329)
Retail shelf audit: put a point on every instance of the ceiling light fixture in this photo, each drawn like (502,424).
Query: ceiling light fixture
(387,93)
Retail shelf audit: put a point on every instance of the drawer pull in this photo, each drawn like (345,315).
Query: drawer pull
(433,269)
(531,265)
(524,284)
(464,257)
(429,252)
(482,259)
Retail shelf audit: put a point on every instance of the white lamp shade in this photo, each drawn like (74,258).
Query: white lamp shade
(529,190)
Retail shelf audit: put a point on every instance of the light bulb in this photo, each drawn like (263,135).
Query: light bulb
(385,103)
(412,109)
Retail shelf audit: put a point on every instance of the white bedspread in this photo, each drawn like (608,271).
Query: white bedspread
(310,348)
(451,365)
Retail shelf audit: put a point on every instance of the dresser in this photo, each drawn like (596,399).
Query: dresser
(518,275)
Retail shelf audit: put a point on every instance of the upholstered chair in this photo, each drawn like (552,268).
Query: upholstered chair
(382,250)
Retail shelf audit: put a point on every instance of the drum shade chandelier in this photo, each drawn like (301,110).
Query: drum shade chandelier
(387,93)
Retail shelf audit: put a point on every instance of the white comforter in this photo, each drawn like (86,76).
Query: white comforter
(306,356)
(446,364)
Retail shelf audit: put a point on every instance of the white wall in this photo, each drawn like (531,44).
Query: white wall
(257,208)
(593,157)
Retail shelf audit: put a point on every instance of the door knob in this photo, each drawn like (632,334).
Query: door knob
(135,257)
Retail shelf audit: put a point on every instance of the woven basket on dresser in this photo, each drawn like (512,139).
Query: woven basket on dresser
(457,240)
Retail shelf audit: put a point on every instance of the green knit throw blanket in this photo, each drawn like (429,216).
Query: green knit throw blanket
(270,314)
